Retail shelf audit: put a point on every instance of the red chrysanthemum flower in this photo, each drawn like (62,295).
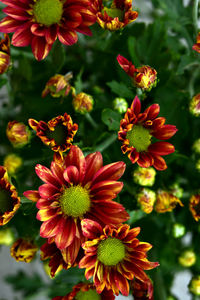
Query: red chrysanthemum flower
(142,290)
(4,54)
(86,291)
(196,46)
(58,133)
(194,206)
(113,256)
(9,200)
(144,77)
(80,187)
(117,16)
(61,259)
(40,22)
(136,131)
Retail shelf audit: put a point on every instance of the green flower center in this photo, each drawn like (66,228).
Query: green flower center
(139,137)
(75,201)
(111,251)
(59,134)
(5,201)
(114,12)
(88,295)
(48,12)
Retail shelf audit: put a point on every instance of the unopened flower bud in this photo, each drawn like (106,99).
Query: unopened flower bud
(198,165)
(4,54)
(6,237)
(23,250)
(144,176)
(12,163)
(178,230)
(146,199)
(176,190)
(83,103)
(196,146)
(194,106)
(18,133)
(194,206)
(166,201)
(187,258)
(58,86)
(194,285)
(120,105)
(145,78)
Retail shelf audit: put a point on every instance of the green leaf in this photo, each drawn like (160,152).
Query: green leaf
(78,82)
(185,63)
(135,215)
(120,89)
(111,119)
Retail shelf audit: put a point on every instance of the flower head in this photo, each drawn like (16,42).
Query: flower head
(194,285)
(187,258)
(18,134)
(9,200)
(23,250)
(194,206)
(115,17)
(194,106)
(4,54)
(113,255)
(83,103)
(142,290)
(61,259)
(79,187)
(58,86)
(120,105)
(144,176)
(166,201)
(146,199)
(40,22)
(196,47)
(136,131)
(12,163)
(58,133)
(86,291)
(144,77)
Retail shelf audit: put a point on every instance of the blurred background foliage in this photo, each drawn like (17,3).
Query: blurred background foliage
(164,43)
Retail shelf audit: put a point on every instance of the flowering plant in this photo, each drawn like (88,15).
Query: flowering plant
(99,149)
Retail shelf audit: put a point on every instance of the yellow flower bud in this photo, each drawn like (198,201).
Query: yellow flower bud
(23,250)
(144,176)
(18,134)
(166,201)
(194,106)
(83,103)
(146,199)
(6,237)
(187,258)
(194,285)
(12,163)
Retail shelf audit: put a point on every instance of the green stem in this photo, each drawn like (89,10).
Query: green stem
(91,120)
(192,82)
(106,143)
(195,14)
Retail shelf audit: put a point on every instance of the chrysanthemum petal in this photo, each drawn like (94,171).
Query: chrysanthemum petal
(159,163)
(71,175)
(47,190)
(112,171)
(40,48)
(76,158)
(94,162)
(165,132)
(50,228)
(66,233)
(161,148)
(145,160)
(32,195)
(152,111)
(90,228)
(136,105)
(68,38)
(46,175)
(21,37)
(122,283)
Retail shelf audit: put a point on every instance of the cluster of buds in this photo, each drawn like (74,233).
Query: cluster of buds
(194,105)
(4,54)
(146,199)
(115,17)
(143,77)
(144,176)
(58,86)
(18,134)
